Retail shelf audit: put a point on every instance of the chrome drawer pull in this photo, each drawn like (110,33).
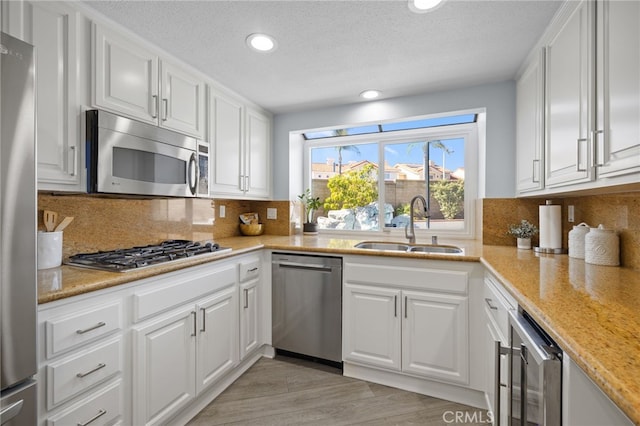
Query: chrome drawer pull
(101,413)
(98,367)
(86,330)
(252,269)
(493,307)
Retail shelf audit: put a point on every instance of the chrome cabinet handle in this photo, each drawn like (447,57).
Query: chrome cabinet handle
(204,320)
(93,370)
(241,182)
(252,269)
(533,176)
(165,103)
(599,142)
(395,306)
(11,411)
(195,326)
(406,299)
(74,170)
(154,104)
(246,183)
(493,307)
(86,330)
(578,169)
(101,413)
(246,298)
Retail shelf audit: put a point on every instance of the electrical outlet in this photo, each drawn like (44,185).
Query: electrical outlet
(272,213)
(222,212)
(571,214)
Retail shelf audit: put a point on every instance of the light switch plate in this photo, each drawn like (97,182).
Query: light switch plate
(223,212)
(571,214)
(272,213)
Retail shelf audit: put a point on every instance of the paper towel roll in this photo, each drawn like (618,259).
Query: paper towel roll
(550,227)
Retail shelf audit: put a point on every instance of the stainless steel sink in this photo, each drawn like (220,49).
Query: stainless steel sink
(410,248)
(434,249)
(373,245)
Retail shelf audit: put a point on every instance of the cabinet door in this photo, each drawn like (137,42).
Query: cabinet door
(617,136)
(183,101)
(226,138)
(435,336)
(52,29)
(496,371)
(125,76)
(163,366)
(249,336)
(530,125)
(371,326)
(569,99)
(217,346)
(258,154)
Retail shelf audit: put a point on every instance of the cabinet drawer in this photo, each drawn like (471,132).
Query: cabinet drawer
(72,330)
(74,374)
(249,270)
(101,408)
(497,306)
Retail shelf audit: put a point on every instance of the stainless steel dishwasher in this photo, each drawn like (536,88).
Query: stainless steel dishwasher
(307,305)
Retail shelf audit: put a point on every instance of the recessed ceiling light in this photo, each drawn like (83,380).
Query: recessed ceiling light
(423,6)
(261,42)
(370,94)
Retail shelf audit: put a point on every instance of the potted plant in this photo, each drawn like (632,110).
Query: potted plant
(310,204)
(523,232)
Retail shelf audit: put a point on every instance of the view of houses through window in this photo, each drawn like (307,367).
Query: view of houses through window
(355,174)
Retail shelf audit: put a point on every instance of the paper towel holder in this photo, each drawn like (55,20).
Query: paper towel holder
(549,250)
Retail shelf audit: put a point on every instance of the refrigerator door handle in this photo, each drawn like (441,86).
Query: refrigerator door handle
(11,411)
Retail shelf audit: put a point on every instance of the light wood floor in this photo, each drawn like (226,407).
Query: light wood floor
(288,391)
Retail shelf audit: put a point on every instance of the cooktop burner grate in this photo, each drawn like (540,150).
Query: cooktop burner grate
(135,258)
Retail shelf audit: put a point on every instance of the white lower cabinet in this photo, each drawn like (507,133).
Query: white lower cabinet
(497,303)
(410,317)
(175,356)
(82,362)
(250,273)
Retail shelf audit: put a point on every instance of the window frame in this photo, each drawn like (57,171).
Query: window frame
(470,133)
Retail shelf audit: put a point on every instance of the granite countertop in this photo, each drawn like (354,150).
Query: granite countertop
(591,311)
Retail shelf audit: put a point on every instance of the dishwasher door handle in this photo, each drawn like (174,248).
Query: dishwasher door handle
(317,268)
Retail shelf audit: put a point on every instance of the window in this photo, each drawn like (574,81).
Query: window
(355,172)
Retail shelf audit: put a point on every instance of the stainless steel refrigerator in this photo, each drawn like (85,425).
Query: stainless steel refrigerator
(18,274)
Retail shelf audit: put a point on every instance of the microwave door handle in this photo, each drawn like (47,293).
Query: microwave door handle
(192,174)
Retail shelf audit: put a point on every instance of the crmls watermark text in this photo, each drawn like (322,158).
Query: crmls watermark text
(462,417)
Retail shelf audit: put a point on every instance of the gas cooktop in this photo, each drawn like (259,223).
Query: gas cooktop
(136,258)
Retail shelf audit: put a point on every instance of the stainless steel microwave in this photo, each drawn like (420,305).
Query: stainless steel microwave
(126,156)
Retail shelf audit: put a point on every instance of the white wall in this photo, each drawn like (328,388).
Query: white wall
(499,100)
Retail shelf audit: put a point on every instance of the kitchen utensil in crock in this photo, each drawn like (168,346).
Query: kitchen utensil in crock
(65,222)
(49,218)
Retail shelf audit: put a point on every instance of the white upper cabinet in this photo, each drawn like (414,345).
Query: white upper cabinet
(617,131)
(126,81)
(125,76)
(54,29)
(240,137)
(258,157)
(569,99)
(591,101)
(530,125)
(183,100)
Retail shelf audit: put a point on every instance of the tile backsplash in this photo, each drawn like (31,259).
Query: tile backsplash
(616,211)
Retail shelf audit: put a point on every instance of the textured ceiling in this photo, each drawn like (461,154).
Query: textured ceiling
(330,51)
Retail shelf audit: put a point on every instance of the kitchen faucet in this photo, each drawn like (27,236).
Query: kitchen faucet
(412,236)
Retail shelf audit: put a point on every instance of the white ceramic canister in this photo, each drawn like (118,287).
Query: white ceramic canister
(576,240)
(602,247)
